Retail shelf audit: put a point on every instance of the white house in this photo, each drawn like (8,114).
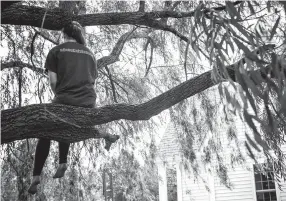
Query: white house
(248,184)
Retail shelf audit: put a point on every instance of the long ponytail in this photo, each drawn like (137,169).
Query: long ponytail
(74,30)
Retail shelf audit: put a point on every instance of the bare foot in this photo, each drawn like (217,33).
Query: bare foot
(33,187)
(60,171)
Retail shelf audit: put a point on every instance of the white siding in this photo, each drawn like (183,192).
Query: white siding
(283,192)
(194,190)
(242,181)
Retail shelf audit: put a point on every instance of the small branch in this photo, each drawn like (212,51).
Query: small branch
(175,5)
(186,57)
(167,5)
(32,49)
(141,6)
(156,24)
(20,79)
(112,84)
(150,41)
(116,51)
(45,35)
(21,64)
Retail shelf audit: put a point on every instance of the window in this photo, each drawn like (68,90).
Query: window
(265,184)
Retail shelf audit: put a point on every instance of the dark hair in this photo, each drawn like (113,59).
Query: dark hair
(74,30)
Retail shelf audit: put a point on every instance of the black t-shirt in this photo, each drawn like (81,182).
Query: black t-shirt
(76,71)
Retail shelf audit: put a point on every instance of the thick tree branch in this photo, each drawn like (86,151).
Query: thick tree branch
(70,122)
(6,4)
(56,18)
(64,122)
(19,64)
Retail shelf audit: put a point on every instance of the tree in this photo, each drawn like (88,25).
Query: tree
(214,31)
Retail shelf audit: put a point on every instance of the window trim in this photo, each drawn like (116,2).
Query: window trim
(266,190)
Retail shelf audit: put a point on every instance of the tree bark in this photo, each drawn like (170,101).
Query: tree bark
(69,123)
(56,18)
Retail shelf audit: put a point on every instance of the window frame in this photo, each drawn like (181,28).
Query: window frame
(276,189)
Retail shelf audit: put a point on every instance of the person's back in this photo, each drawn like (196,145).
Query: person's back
(72,72)
(76,71)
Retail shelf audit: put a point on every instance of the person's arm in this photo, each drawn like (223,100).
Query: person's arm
(53,81)
(96,68)
(51,67)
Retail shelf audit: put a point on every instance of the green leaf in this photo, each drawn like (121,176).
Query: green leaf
(222,39)
(257,136)
(243,31)
(260,141)
(194,46)
(274,28)
(230,44)
(249,151)
(252,86)
(235,104)
(270,118)
(248,119)
(227,95)
(232,10)
(268,6)
(204,24)
(252,143)
(256,77)
(217,45)
(244,86)
(252,56)
(251,8)
(220,89)
(242,46)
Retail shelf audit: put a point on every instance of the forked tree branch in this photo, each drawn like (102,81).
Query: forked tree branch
(64,122)
(102,62)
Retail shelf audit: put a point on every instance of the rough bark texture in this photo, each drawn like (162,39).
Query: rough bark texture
(72,124)
(56,18)
(68,123)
